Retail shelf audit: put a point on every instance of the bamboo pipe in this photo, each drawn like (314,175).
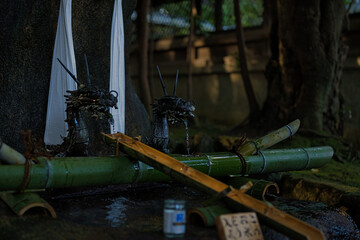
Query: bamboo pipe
(20,203)
(237,200)
(252,147)
(207,214)
(9,155)
(261,189)
(96,171)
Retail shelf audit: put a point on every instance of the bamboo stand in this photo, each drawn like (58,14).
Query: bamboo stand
(237,200)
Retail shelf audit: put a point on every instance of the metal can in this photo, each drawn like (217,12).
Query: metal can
(174,218)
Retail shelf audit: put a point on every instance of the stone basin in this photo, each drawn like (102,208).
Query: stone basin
(135,212)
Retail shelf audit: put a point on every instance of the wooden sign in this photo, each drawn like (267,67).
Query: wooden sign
(239,226)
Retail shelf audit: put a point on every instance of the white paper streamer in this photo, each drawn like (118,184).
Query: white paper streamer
(117,67)
(60,81)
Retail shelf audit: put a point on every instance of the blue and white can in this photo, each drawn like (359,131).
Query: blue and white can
(174,218)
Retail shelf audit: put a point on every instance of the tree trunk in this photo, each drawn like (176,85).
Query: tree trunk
(304,71)
(27,36)
(190,50)
(254,107)
(218,15)
(143,35)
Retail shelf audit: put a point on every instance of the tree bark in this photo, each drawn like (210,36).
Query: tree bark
(143,34)
(190,50)
(27,37)
(305,65)
(218,15)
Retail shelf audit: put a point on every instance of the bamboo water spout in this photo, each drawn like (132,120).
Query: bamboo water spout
(9,155)
(270,139)
(86,100)
(96,171)
(168,109)
(260,189)
(237,200)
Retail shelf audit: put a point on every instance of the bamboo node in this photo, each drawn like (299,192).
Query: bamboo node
(255,145)
(243,162)
(290,130)
(307,158)
(236,150)
(264,161)
(209,164)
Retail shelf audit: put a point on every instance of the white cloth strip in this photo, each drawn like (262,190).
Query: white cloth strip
(117,67)
(60,81)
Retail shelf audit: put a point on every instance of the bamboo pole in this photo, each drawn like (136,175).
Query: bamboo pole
(237,200)
(20,203)
(207,214)
(252,147)
(10,155)
(96,171)
(261,189)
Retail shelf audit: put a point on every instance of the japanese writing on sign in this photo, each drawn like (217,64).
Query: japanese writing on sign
(239,226)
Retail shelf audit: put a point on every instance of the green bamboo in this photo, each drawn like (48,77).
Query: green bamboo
(96,171)
(252,147)
(9,155)
(261,189)
(19,203)
(237,200)
(207,214)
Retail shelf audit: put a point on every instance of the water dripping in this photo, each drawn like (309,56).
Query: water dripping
(113,127)
(187,137)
